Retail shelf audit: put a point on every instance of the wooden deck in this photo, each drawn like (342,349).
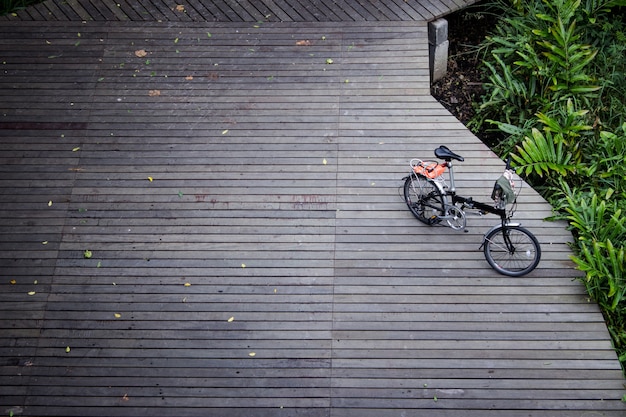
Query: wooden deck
(240,10)
(251,253)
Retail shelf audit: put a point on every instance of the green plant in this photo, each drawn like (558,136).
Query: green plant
(543,155)
(603,265)
(566,56)
(538,57)
(607,161)
(595,219)
(546,61)
(11,6)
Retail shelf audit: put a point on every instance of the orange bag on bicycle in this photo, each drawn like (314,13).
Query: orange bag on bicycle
(431,170)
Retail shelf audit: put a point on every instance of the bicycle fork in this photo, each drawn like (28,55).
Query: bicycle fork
(510,248)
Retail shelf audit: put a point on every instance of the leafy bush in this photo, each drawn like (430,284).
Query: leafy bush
(540,55)
(11,6)
(556,77)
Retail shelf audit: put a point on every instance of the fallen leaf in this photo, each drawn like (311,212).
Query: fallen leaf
(45,242)
(180,8)
(230,320)
(187,284)
(252,354)
(189,77)
(154,93)
(67,349)
(13,282)
(125,397)
(87,254)
(140,53)
(224,132)
(150,179)
(303,43)
(50,203)
(117,315)
(329,61)
(32,293)
(76,149)
(324,161)
(243,265)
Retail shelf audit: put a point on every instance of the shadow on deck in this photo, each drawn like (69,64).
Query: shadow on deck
(250,251)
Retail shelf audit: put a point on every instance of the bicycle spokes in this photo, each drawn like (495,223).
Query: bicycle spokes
(512,250)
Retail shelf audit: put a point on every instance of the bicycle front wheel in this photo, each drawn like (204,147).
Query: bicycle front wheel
(424,199)
(512,250)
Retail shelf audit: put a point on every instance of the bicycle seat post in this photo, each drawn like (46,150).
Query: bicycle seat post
(451,170)
(442,152)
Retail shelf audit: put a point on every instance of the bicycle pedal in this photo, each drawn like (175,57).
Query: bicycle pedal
(434,220)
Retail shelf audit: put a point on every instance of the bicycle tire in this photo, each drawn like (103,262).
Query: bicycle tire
(424,199)
(522,258)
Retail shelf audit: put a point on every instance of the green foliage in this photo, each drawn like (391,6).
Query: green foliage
(539,56)
(566,57)
(11,6)
(557,151)
(604,267)
(607,162)
(595,219)
(543,155)
(556,77)
(508,93)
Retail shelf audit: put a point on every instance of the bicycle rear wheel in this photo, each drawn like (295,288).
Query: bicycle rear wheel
(424,199)
(512,250)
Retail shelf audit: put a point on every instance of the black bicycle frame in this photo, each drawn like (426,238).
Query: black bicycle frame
(469,202)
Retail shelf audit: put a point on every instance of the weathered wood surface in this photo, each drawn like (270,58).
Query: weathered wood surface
(274,194)
(240,10)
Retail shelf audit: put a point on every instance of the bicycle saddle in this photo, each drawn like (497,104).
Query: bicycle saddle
(446,154)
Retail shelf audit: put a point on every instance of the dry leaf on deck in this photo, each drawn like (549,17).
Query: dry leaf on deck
(140,53)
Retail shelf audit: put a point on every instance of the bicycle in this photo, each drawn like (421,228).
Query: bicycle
(509,248)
